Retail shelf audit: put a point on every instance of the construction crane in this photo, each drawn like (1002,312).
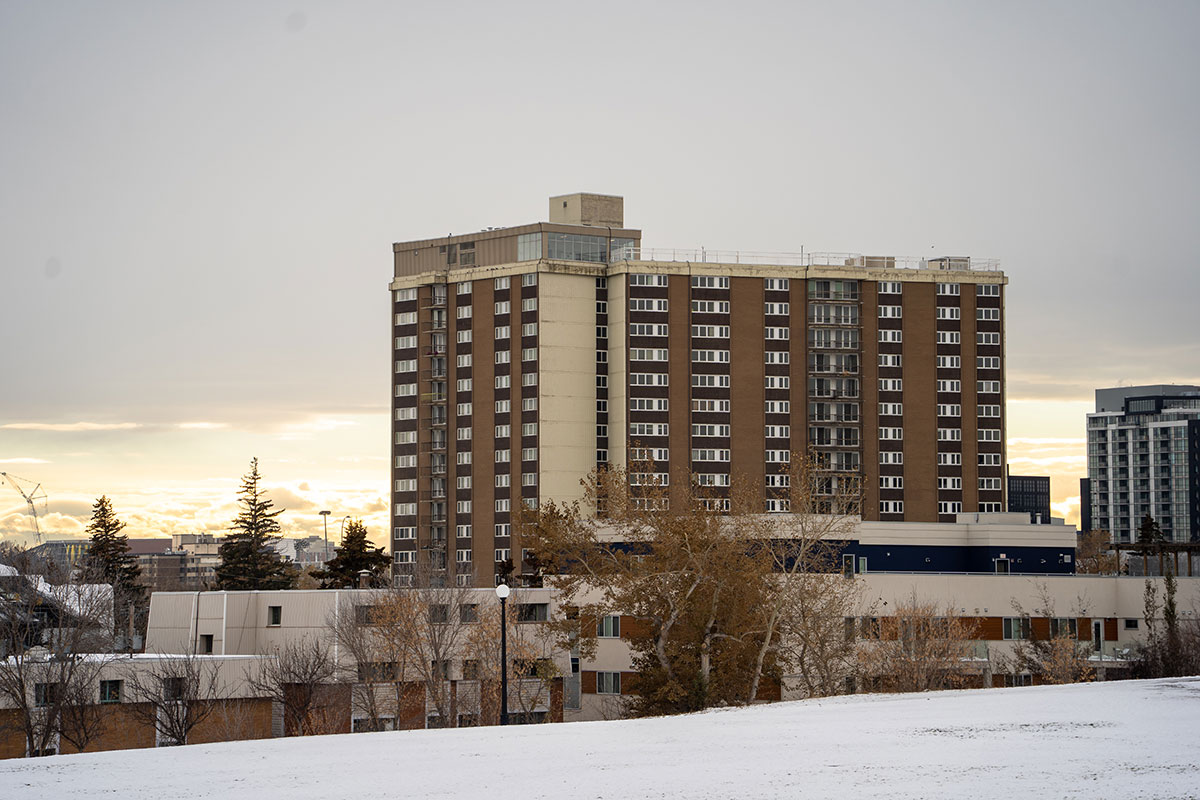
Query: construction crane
(31,497)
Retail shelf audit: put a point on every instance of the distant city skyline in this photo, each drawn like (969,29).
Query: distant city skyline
(199,204)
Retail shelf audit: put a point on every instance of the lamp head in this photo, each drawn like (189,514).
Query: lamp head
(502,591)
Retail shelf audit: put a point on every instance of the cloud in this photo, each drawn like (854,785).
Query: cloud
(1044,440)
(23,461)
(203,426)
(1073,462)
(304,430)
(70,427)
(286,498)
(1068,507)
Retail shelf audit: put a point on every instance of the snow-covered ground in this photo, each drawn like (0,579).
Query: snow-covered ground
(1136,739)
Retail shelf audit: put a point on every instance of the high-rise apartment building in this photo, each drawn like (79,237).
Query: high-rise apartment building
(1030,494)
(524,357)
(1144,458)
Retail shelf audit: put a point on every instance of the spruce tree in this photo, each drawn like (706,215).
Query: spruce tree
(110,561)
(355,555)
(248,561)
(1149,532)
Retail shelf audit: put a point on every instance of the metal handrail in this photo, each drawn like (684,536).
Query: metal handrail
(854,260)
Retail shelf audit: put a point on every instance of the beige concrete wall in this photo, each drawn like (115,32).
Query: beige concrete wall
(567,383)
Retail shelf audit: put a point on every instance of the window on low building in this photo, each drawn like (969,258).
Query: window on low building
(45,694)
(110,691)
(608,683)
(533,612)
(609,627)
(1016,627)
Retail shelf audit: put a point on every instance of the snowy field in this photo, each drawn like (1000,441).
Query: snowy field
(1138,739)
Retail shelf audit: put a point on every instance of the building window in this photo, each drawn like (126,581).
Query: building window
(1016,628)
(110,691)
(533,612)
(173,688)
(987,314)
(206,643)
(529,246)
(274,616)
(608,683)
(609,627)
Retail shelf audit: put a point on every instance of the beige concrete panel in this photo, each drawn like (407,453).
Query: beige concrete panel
(567,383)
(583,208)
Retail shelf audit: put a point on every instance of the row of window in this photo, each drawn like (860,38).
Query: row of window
(698,281)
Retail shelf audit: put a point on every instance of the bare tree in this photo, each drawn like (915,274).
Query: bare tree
(533,672)
(1093,555)
(1050,649)
(823,508)
(175,695)
(54,642)
(712,579)
(820,637)
(299,678)
(919,648)
(402,637)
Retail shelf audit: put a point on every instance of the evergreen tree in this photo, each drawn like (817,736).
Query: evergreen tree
(248,561)
(110,561)
(355,555)
(1149,532)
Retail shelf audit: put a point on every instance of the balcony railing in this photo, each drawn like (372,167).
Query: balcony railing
(802,259)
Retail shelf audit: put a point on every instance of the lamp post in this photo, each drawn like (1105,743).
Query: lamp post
(342,530)
(325,518)
(502,592)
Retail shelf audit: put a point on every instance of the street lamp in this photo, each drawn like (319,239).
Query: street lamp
(325,517)
(342,530)
(502,592)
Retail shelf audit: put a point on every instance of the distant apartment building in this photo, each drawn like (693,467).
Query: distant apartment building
(1030,494)
(1085,505)
(1144,459)
(525,357)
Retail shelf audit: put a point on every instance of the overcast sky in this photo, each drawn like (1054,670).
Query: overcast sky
(198,203)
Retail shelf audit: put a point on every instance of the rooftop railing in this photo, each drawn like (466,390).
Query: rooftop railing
(802,259)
